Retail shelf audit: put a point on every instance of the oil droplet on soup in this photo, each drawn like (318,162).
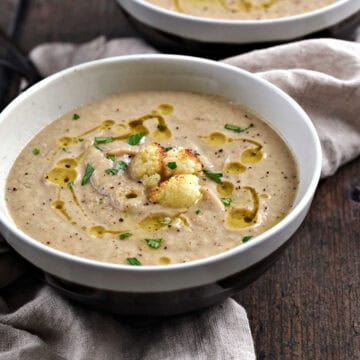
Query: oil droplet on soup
(154,222)
(225,188)
(164,260)
(165,109)
(235,168)
(62,176)
(59,206)
(99,231)
(252,156)
(215,138)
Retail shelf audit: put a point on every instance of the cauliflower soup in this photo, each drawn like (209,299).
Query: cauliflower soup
(152,178)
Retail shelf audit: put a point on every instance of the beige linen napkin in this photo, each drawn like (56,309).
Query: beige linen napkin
(36,323)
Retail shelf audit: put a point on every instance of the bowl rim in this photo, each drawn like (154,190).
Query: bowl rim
(256,241)
(252,23)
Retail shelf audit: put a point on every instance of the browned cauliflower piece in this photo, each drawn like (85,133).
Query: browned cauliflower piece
(180,191)
(185,160)
(147,162)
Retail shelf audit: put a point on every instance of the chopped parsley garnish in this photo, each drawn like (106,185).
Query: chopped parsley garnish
(97,147)
(135,139)
(213,176)
(112,171)
(103,139)
(76,117)
(154,243)
(166,221)
(236,128)
(133,261)
(81,139)
(124,235)
(111,157)
(168,148)
(226,201)
(197,212)
(171,165)
(88,172)
(246,238)
(70,184)
(120,165)
(36,151)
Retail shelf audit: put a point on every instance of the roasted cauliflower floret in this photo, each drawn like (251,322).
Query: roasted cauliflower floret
(181,161)
(148,161)
(151,180)
(180,191)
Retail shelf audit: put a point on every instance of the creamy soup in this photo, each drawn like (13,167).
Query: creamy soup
(152,178)
(242,9)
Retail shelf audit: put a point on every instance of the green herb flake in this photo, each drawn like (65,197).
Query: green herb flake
(122,165)
(112,171)
(97,147)
(76,117)
(36,151)
(81,139)
(161,127)
(111,157)
(171,165)
(168,148)
(154,243)
(67,130)
(213,176)
(135,139)
(103,139)
(197,212)
(70,184)
(124,235)
(133,261)
(247,238)
(226,201)
(236,128)
(166,221)
(88,172)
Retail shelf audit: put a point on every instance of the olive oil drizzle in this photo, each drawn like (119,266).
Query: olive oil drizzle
(135,126)
(99,231)
(241,217)
(59,206)
(249,156)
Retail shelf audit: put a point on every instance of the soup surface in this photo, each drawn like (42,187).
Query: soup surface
(152,178)
(242,9)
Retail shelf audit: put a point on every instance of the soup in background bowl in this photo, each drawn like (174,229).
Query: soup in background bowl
(155,95)
(212,26)
(242,9)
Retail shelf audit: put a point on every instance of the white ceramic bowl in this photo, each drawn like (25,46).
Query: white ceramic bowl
(68,89)
(239,31)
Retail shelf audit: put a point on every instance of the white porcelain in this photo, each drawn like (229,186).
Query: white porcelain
(57,94)
(239,31)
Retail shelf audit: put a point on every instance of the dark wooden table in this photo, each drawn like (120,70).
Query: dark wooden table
(307,305)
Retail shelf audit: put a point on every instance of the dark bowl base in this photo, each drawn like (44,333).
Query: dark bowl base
(162,303)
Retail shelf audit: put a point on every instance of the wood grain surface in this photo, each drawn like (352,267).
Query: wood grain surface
(307,305)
